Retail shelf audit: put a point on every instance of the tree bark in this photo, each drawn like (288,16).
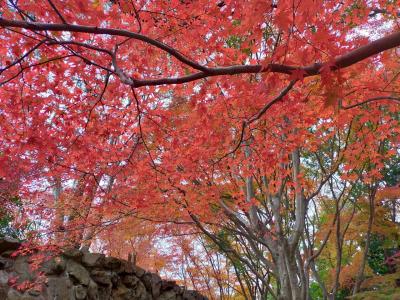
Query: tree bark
(360,273)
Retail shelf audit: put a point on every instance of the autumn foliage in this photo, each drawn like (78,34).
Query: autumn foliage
(248,148)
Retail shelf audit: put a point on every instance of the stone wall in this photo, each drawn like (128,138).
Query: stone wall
(81,275)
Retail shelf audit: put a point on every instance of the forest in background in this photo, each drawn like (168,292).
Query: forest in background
(247,149)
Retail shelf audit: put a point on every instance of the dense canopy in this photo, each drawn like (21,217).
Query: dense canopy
(265,131)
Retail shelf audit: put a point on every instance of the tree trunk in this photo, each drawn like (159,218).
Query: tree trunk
(59,210)
(360,274)
(288,275)
(285,291)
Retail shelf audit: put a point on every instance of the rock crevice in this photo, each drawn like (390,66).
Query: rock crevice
(81,275)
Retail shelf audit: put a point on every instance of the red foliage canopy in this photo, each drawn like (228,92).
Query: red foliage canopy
(147,106)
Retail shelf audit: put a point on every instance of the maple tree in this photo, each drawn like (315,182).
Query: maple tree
(238,121)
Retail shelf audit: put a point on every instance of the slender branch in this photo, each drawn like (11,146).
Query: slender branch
(258,115)
(57,11)
(238,144)
(231,253)
(99,100)
(139,111)
(21,13)
(23,68)
(21,58)
(92,47)
(377,11)
(123,77)
(85,59)
(282,94)
(396,99)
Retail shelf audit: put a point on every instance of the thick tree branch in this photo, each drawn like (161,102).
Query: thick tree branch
(300,202)
(388,42)
(36,26)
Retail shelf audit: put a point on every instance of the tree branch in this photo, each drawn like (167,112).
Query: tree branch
(396,99)
(385,43)
(57,11)
(258,115)
(282,94)
(22,57)
(36,26)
